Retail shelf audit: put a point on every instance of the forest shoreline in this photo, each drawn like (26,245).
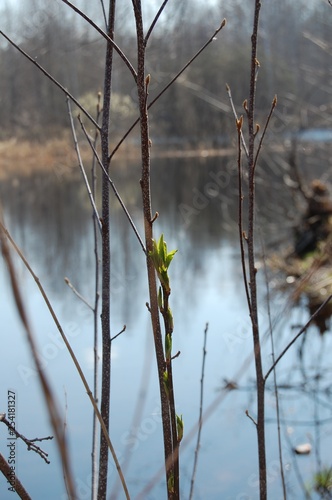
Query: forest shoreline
(24,158)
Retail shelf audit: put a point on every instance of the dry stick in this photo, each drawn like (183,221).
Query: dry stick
(108,38)
(80,163)
(303,329)
(50,77)
(274,103)
(251,262)
(48,395)
(242,235)
(210,40)
(154,22)
(228,90)
(283,482)
(73,289)
(12,479)
(142,87)
(104,12)
(200,418)
(29,442)
(116,192)
(96,226)
(71,353)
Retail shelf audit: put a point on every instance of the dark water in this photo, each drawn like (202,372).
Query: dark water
(50,218)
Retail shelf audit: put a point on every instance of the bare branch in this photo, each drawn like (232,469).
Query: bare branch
(116,192)
(46,388)
(80,163)
(71,286)
(117,335)
(154,22)
(210,40)
(71,352)
(297,336)
(274,103)
(228,90)
(103,34)
(239,123)
(11,477)
(50,77)
(200,418)
(251,418)
(29,442)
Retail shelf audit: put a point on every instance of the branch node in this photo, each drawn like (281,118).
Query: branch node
(155,217)
(251,418)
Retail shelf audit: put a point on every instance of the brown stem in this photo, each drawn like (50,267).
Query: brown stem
(260,381)
(172,411)
(147,212)
(11,477)
(106,261)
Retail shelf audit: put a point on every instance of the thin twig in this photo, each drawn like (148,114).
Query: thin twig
(239,123)
(94,451)
(103,34)
(200,418)
(116,192)
(104,13)
(50,77)
(303,329)
(260,382)
(251,418)
(29,442)
(274,103)
(80,163)
(147,36)
(46,388)
(228,90)
(71,353)
(210,40)
(117,335)
(71,286)
(106,364)
(282,473)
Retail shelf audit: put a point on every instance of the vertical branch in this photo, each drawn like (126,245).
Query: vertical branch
(276,391)
(142,90)
(251,258)
(106,261)
(10,475)
(94,451)
(50,401)
(200,419)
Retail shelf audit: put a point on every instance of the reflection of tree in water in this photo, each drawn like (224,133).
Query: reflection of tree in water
(305,404)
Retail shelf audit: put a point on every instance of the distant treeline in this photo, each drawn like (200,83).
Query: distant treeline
(294,55)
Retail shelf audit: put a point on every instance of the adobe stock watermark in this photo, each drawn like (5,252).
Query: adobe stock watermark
(132,440)
(201,198)
(54,344)
(273,474)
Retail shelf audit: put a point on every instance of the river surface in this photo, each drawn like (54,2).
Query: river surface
(50,219)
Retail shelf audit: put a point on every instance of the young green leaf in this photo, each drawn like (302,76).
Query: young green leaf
(170,484)
(179,427)
(166,383)
(168,346)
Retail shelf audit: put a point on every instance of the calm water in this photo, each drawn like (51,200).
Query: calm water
(50,219)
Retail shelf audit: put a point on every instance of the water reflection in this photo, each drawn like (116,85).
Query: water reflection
(197,201)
